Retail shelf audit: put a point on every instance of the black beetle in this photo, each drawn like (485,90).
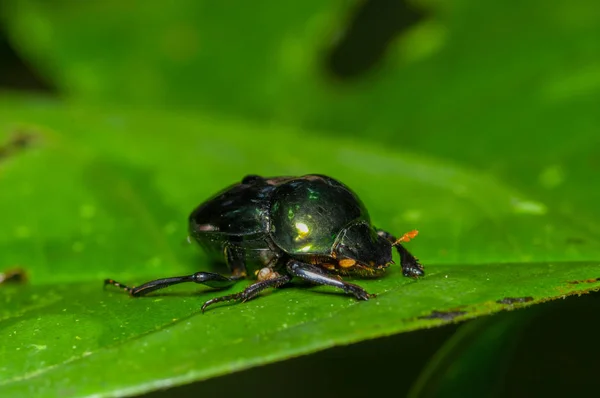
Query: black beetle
(273,229)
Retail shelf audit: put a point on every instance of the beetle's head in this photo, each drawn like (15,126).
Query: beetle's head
(359,250)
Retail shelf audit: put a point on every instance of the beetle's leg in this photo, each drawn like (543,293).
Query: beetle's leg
(235,257)
(206,278)
(251,291)
(410,264)
(313,274)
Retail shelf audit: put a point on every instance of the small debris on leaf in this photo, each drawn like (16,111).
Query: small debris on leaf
(13,275)
(444,315)
(515,300)
(591,280)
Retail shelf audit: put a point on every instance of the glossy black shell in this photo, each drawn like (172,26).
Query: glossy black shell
(297,215)
(308,214)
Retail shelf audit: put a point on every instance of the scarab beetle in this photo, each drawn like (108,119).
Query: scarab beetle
(273,229)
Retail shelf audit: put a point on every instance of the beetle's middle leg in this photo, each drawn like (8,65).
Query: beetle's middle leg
(235,258)
(251,291)
(314,274)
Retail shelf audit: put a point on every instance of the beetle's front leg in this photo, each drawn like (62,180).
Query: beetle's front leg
(409,263)
(206,278)
(313,274)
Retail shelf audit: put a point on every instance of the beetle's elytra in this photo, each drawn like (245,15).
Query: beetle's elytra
(273,229)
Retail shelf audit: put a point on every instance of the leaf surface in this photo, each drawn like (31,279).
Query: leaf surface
(116,206)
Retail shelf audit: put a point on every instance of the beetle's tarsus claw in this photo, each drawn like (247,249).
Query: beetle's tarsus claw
(206,304)
(218,299)
(414,272)
(360,293)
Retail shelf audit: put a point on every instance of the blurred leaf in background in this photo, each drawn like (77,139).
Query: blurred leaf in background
(476,123)
(483,84)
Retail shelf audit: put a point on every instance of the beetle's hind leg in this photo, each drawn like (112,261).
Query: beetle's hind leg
(251,291)
(409,263)
(211,279)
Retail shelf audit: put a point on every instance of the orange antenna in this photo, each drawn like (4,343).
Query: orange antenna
(406,237)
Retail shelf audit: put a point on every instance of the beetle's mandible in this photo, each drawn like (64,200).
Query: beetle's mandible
(274,229)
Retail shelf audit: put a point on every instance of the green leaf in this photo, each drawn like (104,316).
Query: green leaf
(105,193)
(113,344)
